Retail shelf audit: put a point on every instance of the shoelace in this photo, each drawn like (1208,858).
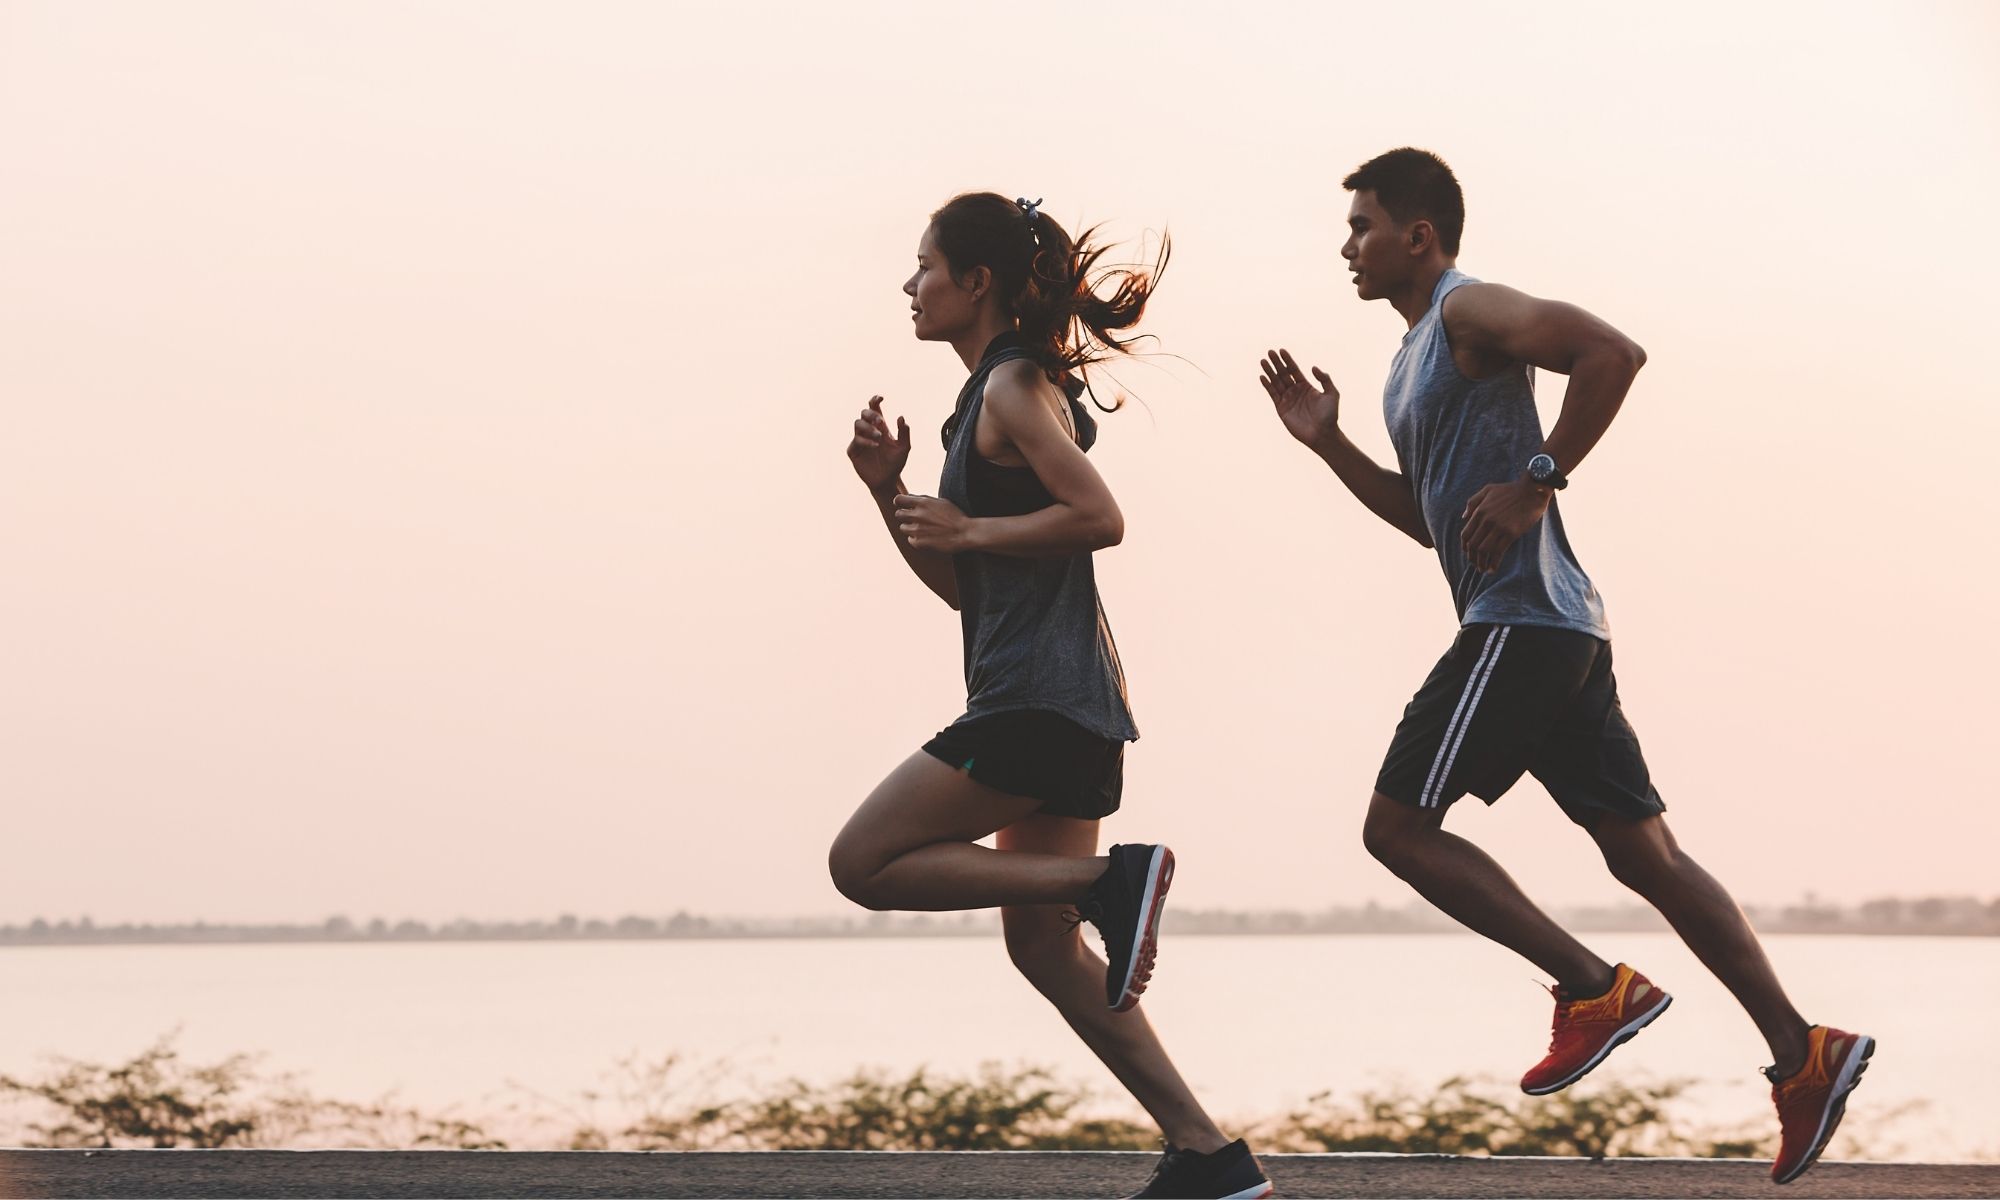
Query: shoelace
(1089,910)
(1169,1159)
(1555,1022)
(1797,1080)
(1092,910)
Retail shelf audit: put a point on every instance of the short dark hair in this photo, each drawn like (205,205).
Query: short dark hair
(1415,184)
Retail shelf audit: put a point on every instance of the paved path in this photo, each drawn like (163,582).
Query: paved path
(445,1173)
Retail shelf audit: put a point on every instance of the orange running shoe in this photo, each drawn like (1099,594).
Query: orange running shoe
(1811,1103)
(1585,1031)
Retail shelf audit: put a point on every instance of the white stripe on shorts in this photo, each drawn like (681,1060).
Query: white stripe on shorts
(1461,718)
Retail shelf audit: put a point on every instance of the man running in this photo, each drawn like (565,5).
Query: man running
(1527,687)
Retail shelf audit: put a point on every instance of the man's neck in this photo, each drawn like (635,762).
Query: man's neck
(1414,300)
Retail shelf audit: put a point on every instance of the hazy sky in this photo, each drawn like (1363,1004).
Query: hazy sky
(422,489)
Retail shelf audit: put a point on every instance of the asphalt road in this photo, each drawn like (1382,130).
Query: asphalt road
(443,1173)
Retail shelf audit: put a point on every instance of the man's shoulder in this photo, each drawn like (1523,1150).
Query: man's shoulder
(1477,313)
(1469,294)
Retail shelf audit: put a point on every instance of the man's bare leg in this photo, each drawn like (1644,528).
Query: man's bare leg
(1643,856)
(1468,886)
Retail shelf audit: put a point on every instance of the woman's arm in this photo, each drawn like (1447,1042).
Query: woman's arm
(1021,404)
(879,458)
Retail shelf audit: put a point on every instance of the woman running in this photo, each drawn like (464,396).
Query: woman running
(1038,756)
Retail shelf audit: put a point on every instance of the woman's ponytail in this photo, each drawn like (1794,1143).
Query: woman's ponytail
(1071,312)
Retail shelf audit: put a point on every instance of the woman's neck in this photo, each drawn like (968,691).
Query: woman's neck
(973,340)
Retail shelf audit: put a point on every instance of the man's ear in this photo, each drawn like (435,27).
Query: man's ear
(1421,236)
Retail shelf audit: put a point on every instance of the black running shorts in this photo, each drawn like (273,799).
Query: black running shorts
(1509,699)
(1041,755)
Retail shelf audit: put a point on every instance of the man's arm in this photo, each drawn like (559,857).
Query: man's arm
(1490,326)
(1495,325)
(1313,417)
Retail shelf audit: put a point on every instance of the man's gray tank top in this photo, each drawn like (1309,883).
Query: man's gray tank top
(1455,435)
(1035,633)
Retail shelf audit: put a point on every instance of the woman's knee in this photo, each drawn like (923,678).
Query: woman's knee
(1039,942)
(854,873)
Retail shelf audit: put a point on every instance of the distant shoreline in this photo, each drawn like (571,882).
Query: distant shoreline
(1931,917)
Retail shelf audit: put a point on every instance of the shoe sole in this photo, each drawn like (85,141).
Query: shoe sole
(1256,1193)
(1848,1079)
(1145,942)
(1618,1039)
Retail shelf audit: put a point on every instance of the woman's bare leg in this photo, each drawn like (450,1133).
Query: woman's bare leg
(1051,952)
(910,846)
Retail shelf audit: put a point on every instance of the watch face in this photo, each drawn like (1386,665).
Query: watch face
(1541,467)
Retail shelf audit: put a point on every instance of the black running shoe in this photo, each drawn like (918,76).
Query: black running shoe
(1125,905)
(1230,1173)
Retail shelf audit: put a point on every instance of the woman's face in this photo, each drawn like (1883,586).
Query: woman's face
(940,306)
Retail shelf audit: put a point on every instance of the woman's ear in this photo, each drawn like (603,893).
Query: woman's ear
(978,281)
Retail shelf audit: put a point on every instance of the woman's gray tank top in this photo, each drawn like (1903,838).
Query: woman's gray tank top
(1035,632)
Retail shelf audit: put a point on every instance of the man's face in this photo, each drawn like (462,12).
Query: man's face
(1376,250)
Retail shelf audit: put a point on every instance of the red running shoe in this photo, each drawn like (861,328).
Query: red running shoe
(1585,1031)
(1811,1103)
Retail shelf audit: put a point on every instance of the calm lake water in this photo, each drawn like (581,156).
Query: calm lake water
(1256,1023)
